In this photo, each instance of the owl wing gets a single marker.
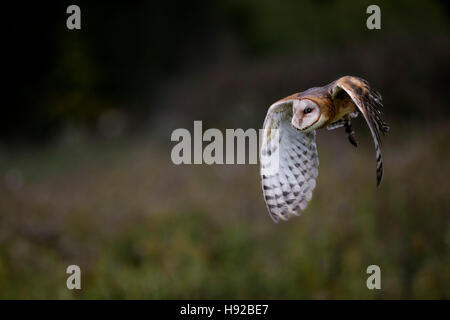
(289, 163)
(369, 103)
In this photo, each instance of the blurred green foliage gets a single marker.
(141, 227)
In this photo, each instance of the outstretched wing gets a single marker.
(369, 103)
(289, 163)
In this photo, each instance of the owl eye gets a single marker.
(307, 110)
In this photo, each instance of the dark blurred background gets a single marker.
(85, 170)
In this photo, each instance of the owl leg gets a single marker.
(350, 132)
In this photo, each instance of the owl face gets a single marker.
(306, 115)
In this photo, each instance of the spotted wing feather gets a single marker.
(289, 164)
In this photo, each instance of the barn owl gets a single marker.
(288, 153)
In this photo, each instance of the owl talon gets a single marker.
(352, 139)
(350, 132)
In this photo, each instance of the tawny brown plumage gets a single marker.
(289, 159)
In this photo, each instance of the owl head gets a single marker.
(307, 115)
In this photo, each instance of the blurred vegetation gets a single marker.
(86, 176)
(153, 59)
(141, 227)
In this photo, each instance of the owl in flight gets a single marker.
(288, 154)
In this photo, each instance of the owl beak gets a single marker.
(297, 121)
(297, 115)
